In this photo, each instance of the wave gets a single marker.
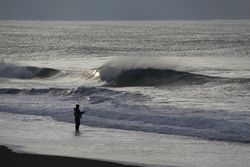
(81, 91)
(94, 95)
(25, 72)
(55, 91)
(158, 77)
(154, 77)
(147, 72)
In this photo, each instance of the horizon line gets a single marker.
(76, 20)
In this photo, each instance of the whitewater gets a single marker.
(159, 82)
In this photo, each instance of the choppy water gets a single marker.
(184, 78)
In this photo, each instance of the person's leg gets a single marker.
(77, 120)
(77, 126)
(75, 123)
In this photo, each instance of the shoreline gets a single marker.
(52, 143)
(13, 159)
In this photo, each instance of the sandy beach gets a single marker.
(12, 159)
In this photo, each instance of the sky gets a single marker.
(124, 9)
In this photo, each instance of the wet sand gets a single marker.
(12, 159)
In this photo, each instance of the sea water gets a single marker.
(184, 78)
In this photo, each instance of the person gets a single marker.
(78, 116)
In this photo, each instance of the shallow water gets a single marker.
(42, 135)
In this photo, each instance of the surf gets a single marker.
(146, 72)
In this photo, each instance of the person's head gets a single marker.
(77, 106)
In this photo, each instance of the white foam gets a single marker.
(108, 109)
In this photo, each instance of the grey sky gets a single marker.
(123, 9)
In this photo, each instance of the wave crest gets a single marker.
(147, 72)
(137, 71)
(157, 77)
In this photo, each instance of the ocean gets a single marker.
(178, 78)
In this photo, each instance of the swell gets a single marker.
(158, 77)
(154, 77)
(25, 72)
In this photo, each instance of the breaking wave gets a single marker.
(157, 77)
(125, 73)
(25, 72)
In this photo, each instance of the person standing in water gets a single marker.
(78, 116)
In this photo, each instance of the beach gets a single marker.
(12, 159)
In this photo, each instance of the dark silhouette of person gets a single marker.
(78, 116)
